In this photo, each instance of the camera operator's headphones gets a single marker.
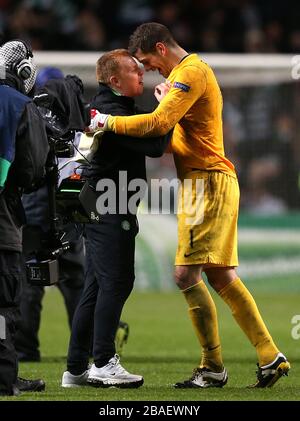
(23, 67)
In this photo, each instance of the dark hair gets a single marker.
(147, 35)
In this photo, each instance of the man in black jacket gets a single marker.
(23, 153)
(110, 243)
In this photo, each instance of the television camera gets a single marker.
(65, 112)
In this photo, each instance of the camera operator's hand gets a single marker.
(98, 121)
(77, 81)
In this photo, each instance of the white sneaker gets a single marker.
(70, 380)
(113, 374)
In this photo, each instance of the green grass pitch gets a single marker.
(162, 347)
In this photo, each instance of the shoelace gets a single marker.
(23, 380)
(259, 373)
(114, 361)
(196, 372)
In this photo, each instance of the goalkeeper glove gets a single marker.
(98, 121)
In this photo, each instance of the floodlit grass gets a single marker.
(162, 347)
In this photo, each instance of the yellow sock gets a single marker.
(245, 312)
(203, 313)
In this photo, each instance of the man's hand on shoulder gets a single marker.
(98, 121)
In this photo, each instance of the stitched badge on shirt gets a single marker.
(125, 225)
(181, 86)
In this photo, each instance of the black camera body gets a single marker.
(76, 201)
(64, 111)
(68, 204)
(42, 250)
(43, 267)
(42, 273)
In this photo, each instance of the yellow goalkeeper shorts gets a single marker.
(208, 203)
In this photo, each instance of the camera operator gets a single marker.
(71, 263)
(23, 153)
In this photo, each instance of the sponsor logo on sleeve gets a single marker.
(181, 86)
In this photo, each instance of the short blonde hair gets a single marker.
(109, 64)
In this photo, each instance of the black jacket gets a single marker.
(121, 153)
(31, 149)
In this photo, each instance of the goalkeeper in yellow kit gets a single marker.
(193, 107)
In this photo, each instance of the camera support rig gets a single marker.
(44, 268)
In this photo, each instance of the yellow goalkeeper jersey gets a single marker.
(193, 106)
